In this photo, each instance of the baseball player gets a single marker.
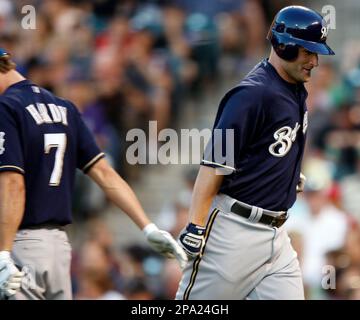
(235, 237)
(43, 139)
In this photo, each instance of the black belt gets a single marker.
(49, 226)
(265, 218)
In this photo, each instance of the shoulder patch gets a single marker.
(2, 141)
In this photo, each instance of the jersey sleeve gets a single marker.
(88, 151)
(234, 128)
(11, 153)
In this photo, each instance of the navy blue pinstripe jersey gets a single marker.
(268, 117)
(44, 138)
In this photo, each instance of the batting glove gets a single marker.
(162, 242)
(301, 184)
(10, 276)
(192, 239)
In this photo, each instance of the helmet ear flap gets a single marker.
(288, 52)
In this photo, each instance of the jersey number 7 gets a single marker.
(56, 140)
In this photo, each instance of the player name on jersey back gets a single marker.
(48, 113)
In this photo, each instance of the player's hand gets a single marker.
(192, 239)
(10, 276)
(301, 184)
(162, 242)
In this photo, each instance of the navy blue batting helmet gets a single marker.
(3, 52)
(297, 26)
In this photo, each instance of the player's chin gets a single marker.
(305, 75)
(302, 79)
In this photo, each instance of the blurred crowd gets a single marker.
(325, 220)
(126, 62)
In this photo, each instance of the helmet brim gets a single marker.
(315, 47)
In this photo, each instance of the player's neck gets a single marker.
(8, 79)
(276, 63)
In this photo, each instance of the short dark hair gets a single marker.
(6, 64)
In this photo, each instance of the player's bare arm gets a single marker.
(120, 193)
(12, 203)
(206, 187)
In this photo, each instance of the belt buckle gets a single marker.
(277, 222)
